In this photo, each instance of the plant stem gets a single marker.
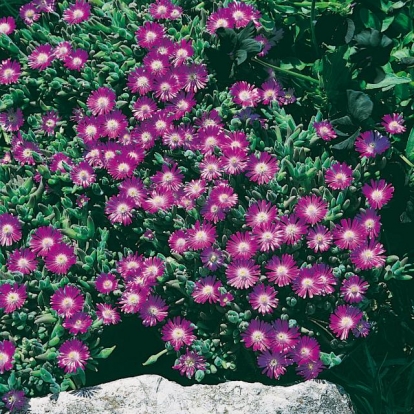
(312, 27)
(287, 72)
(322, 4)
(406, 160)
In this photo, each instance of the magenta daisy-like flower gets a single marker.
(22, 260)
(310, 370)
(12, 297)
(134, 189)
(323, 273)
(130, 265)
(324, 130)
(106, 283)
(206, 290)
(10, 229)
(169, 178)
(178, 332)
(293, 228)
(262, 170)
(43, 239)
(12, 120)
(319, 238)
(45, 6)
(263, 299)
(41, 57)
(24, 153)
(370, 222)
(307, 349)
(107, 314)
(225, 299)
(7, 25)
(62, 50)
(178, 242)
(393, 124)
(242, 274)
(162, 123)
(29, 14)
(361, 329)
(242, 245)
(195, 188)
(89, 129)
(73, 355)
(121, 167)
(77, 13)
(283, 337)
(153, 267)
(66, 301)
(49, 122)
(144, 108)
(312, 209)
(257, 335)
(349, 234)
(83, 174)
(158, 200)
(193, 77)
(243, 13)
(235, 140)
(260, 213)
(76, 60)
(209, 138)
(182, 104)
(353, 289)
(212, 258)
(10, 71)
(378, 193)
(79, 323)
(265, 43)
(60, 258)
(273, 363)
(270, 91)
(201, 235)
(224, 196)
(368, 255)
(210, 168)
(157, 65)
(209, 119)
(344, 319)
(213, 212)
(7, 350)
(161, 9)
(282, 270)
(132, 299)
(166, 87)
(140, 81)
(114, 124)
(14, 400)
(307, 284)
(119, 210)
(339, 176)
(234, 161)
(154, 310)
(189, 363)
(245, 94)
(101, 101)
(149, 33)
(269, 237)
(221, 18)
(371, 143)
(183, 50)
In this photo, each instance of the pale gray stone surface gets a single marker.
(152, 394)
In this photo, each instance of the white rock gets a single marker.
(152, 394)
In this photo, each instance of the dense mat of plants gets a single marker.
(217, 171)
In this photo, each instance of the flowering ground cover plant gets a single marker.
(140, 178)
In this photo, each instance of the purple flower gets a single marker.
(77, 13)
(319, 238)
(339, 176)
(263, 299)
(106, 283)
(221, 18)
(371, 143)
(179, 332)
(107, 314)
(270, 91)
(76, 60)
(378, 193)
(368, 255)
(189, 363)
(10, 229)
(22, 260)
(293, 228)
(268, 236)
(41, 57)
(312, 209)
(242, 245)
(262, 170)
(67, 301)
(73, 355)
(310, 370)
(12, 297)
(273, 363)
(370, 222)
(154, 310)
(257, 335)
(158, 200)
(393, 124)
(134, 189)
(132, 299)
(242, 274)
(183, 50)
(7, 350)
(206, 290)
(212, 258)
(305, 350)
(43, 239)
(349, 234)
(243, 13)
(79, 322)
(29, 14)
(83, 174)
(10, 71)
(149, 33)
(283, 338)
(260, 213)
(344, 319)
(140, 81)
(14, 400)
(282, 270)
(307, 284)
(245, 94)
(193, 78)
(121, 167)
(49, 122)
(362, 328)
(7, 25)
(353, 289)
(119, 210)
(12, 120)
(201, 235)
(62, 50)
(101, 101)
(324, 130)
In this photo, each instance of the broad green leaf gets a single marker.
(390, 81)
(409, 149)
(360, 105)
